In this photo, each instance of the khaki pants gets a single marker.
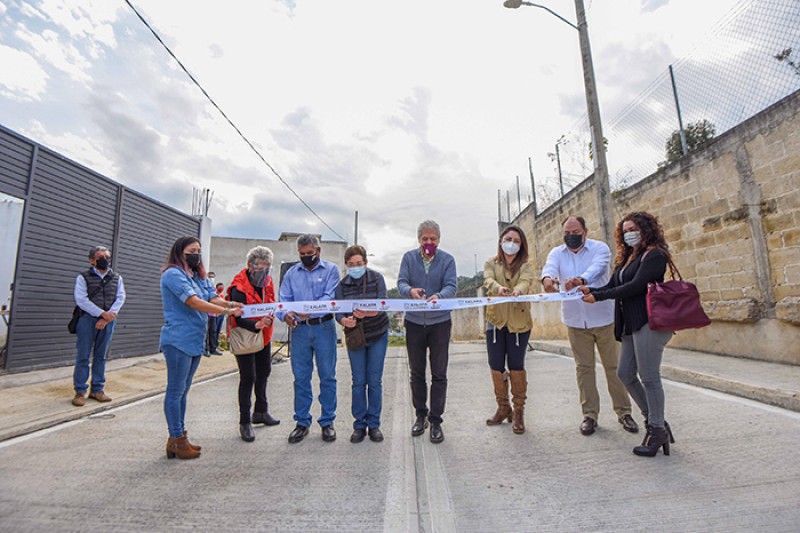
(583, 342)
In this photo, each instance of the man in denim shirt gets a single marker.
(313, 337)
(428, 273)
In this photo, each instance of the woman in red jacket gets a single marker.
(253, 285)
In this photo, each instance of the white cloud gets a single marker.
(402, 111)
(23, 77)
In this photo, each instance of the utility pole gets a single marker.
(605, 205)
(355, 238)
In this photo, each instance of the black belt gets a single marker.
(315, 321)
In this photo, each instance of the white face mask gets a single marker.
(632, 238)
(510, 247)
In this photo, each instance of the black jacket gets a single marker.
(371, 286)
(630, 311)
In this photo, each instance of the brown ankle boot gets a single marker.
(500, 381)
(519, 389)
(192, 446)
(180, 447)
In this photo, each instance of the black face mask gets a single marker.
(309, 260)
(101, 263)
(573, 242)
(193, 260)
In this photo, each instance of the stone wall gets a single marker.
(731, 214)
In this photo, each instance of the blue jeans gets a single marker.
(214, 328)
(90, 338)
(310, 342)
(366, 364)
(180, 371)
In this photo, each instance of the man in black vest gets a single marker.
(100, 294)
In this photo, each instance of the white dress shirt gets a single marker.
(591, 263)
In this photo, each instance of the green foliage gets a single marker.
(591, 152)
(466, 283)
(397, 340)
(786, 57)
(696, 134)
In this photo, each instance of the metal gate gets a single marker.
(68, 209)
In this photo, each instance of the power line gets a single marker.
(242, 135)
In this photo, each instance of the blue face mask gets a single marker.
(356, 272)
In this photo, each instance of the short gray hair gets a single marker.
(306, 239)
(94, 249)
(428, 224)
(259, 254)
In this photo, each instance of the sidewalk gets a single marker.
(42, 398)
(771, 383)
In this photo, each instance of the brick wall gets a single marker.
(731, 214)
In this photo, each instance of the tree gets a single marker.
(696, 134)
(591, 151)
(786, 57)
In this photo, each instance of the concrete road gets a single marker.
(733, 467)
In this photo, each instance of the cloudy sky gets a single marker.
(402, 111)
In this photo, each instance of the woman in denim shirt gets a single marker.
(187, 298)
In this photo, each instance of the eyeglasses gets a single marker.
(354, 265)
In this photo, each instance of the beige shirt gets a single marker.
(515, 316)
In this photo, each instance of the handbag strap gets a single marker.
(673, 268)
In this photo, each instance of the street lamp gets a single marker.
(602, 189)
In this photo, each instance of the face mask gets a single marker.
(193, 260)
(258, 277)
(632, 238)
(356, 272)
(309, 260)
(220, 289)
(510, 248)
(101, 264)
(573, 242)
(429, 248)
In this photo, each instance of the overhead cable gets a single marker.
(242, 135)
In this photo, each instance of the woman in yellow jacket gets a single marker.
(508, 326)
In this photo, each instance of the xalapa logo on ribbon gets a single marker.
(412, 306)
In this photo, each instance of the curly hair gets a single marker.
(652, 235)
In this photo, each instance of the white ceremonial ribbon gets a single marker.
(407, 306)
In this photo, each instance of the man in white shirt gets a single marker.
(583, 261)
(100, 294)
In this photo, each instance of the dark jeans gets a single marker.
(504, 346)
(254, 369)
(214, 327)
(419, 340)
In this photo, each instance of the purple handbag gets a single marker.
(674, 304)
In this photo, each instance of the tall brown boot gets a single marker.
(180, 447)
(500, 380)
(519, 389)
(192, 446)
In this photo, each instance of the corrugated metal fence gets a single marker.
(68, 209)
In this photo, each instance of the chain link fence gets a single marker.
(747, 62)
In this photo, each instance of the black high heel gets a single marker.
(666, 426)
(656, 438)
(669, 432)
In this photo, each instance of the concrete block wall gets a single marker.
(731, 214)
